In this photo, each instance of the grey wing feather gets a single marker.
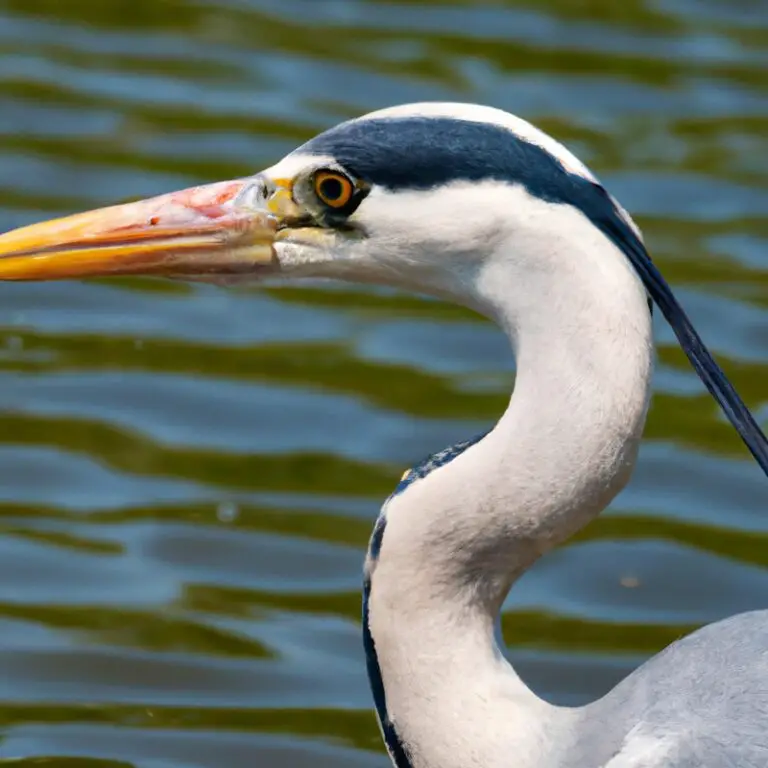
(692, 749)
(700, 703)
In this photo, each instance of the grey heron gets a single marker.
(479, 207)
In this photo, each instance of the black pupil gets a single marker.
(332, 189)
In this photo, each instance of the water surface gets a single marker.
(188, 475)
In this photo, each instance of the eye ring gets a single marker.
(333, 188)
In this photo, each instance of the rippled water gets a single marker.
(182, 517)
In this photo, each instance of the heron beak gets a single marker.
(209, 230)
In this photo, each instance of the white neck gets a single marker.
(456, 540)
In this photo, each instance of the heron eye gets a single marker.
(333, 188)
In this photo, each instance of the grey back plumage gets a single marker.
(702, 702)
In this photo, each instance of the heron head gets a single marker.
(416, 196)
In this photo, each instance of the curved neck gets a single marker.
(448, 548)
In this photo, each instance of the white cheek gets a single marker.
(462, 219)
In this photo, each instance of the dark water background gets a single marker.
(188, 475)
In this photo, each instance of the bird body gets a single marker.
(479, 207)
(702, 701)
